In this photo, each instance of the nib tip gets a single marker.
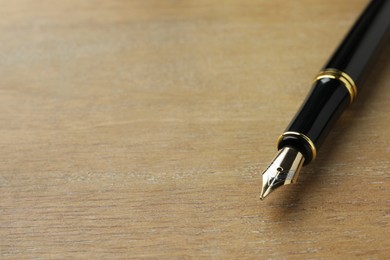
(283, 170)
(265, 192)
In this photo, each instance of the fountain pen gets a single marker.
(335, 87)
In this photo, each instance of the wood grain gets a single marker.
(134, 129)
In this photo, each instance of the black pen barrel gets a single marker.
(359, 48)
(337, 85)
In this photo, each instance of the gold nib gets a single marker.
(283, 170)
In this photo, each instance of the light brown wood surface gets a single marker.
(137, 129)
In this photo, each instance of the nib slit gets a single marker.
(283, 170)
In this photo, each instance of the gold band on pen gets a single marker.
(343, 77)
(304, 137)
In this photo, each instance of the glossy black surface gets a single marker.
(356, 53)
(329, 97)
(323, 106)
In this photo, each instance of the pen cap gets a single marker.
(363, 42)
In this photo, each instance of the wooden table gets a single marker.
(137, 129)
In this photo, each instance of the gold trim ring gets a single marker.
(343, 77)
(304, 137)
